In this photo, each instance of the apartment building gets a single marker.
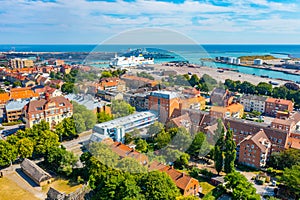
(14, 110)
(253, 150)
(235, 110)
(274, 105)
(52, 110)
(21, 63)
(164, 103)
(117, 128)
(253, 102)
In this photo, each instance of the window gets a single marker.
(252, 146)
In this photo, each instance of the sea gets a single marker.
(192, 53)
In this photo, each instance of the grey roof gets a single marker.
(16, 105)
(254, 97)
(55, 194)
(34, 171)
(219, 91)
(164, 94)
(126, 120)
(87, 100)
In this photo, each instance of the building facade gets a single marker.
(117, 128)
(52, 110)
(253, 103)
(274, 105)
(21, 63)
(164, 103)
(253, 151)
(14, 110)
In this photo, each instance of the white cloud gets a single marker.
(106, 18)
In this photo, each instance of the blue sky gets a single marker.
(205, 21)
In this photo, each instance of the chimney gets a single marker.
(47, 96)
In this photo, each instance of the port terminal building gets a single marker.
(117, 128)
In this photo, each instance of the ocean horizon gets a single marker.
(190, 52)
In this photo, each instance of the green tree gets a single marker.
(45, 141)
(60, 160)
(230, 152)
(119, 186)
(141, 146)
(182, 140)
(194, 80)
(17, 84)
(240, 188)
(182, 161)
(68, 87)
(199, 146)
(218, 158)
(264, 88)
(121, 108)
(219, 147)
(106, 74)
(104, 117)
(80, 123)
(158, 185)
(162, 139)
(131, 165)
(67, 127)
(155, 128)
(25, 147)
(247, 88)
(291, 179)
(280, 92)
(283, 159)
(8, 153)
(104, 154)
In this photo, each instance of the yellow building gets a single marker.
(234, 110)
(21, 63)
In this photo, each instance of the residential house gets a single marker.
(35, 173)
(135, 82)
(181, 121)
(14, 110)
(254, 150)
(110, 95)
(290, 124)
(243, 128)
(221, 97)
(234, 110)
(274, 105)
(253, 102)
(52, 110)
(112, 83)
(65, 69)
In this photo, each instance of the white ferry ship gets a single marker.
(122, 61)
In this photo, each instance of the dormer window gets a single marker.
(61, 104)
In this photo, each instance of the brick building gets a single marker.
(274, 105)
(52, 110)
(254, 150)
(164, 102)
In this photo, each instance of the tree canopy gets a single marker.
(240, 188)
(120, 108)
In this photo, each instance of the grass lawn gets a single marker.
(9, 190)
(206, 187)
(63, 186)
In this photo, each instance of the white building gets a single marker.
(253, 102)
(258, 62)
(117, 128)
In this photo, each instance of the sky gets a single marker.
(203, 21)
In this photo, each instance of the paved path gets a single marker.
(260, 189)
(76, 144)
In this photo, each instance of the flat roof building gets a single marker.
(117, 128)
